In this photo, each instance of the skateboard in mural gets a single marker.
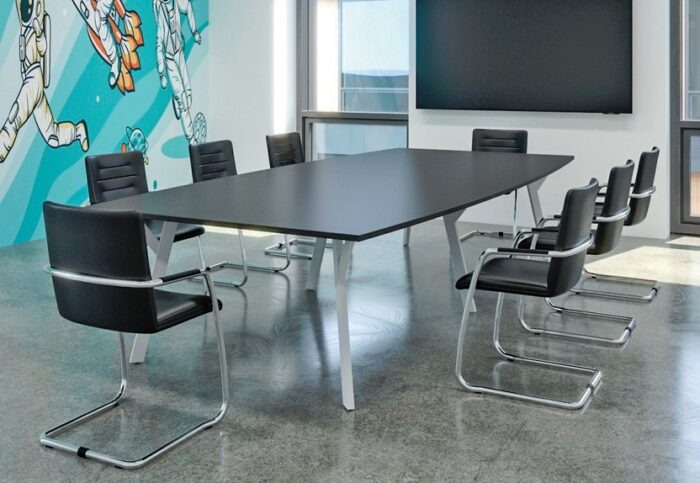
(35, 68)
(115, 33)
(172, 69)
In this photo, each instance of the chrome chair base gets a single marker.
(496, 234)
(654, 288)
(283, 249)
(243, 265)
(492, 234)
(630, 322)
(48, 438)
(584, 397)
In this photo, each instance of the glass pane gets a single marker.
(361, 53)
(342, 139)
(694, 175)
(692, 60)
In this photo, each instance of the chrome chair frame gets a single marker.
(653, 284)
(244, 265)
(630, 322)
(282, 249)
(596, 374)
(47, 439)
(497, 234)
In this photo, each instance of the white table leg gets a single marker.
(535, 204)
(160, 267)
(315, 269)
(458, 264)
(342, 253)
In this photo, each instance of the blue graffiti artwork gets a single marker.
(92, 82)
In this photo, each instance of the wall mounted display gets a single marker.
(524, 55)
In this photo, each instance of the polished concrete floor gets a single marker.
(412, 422)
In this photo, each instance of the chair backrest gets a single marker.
(212, 160)
(499, 140)
(617, 196)
(285, 149)
(574, 229)
(114, 176)
(646, 172)
(107, 244)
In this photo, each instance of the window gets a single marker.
(359, 55)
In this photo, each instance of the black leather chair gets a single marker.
(536, 273)
(214, 160)
(114, 176)
(608, 221)
(284, 150)
(501, 141)
(101, 278)
(642, 191)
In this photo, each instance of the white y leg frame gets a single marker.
(459, 267)
(407, 237)
(316, 261)
(162, 248)
(342, 254)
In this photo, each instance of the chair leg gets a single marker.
(621, 340)
(590, 388)
(245, 266)
(47, 439)
(653, 284)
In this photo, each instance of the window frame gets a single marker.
(306, 85)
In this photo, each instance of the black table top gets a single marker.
(348, 198)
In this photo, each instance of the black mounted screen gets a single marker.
(524, 55)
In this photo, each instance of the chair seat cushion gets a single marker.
(184, 231)
(174, 308)
(511, 275)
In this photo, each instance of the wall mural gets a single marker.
(95, 76)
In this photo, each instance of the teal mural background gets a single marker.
(79, 90)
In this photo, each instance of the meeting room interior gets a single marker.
(350, 240)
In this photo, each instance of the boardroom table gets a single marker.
(347, 199)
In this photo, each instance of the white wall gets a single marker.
(252, 77)
(598, 141)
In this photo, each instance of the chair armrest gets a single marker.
(115, 282)
(112, 282)
(609, 219)
(645, 194)
(548, 219)
(522, 251)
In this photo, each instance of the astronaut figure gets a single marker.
(170, 50)
(35, 62)
(115, 32)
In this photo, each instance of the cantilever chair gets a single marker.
(114, 176)
(640, 199)
(608, 221)
(537, 273)
(284, 150)
(101, 278)
(501, 141)
(214, 160)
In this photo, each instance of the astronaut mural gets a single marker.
(115, 33)
(35, 68)
(82, 75)
(170, 51)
